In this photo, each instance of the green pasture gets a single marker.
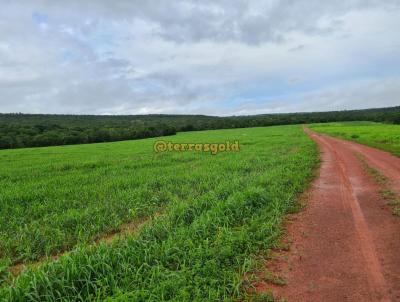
(217, 216)
(382, 136)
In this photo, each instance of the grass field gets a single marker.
(217, 214)
(382, 136)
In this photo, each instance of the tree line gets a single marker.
(36, 130)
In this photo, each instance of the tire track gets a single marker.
(346, 242)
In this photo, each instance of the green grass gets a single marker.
(382, 136)
(219, 213)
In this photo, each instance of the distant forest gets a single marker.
(36, 130)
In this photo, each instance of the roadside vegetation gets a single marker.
(218, 214)
(385, 191)
(381, 136)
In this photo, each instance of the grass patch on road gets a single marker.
(386, 193)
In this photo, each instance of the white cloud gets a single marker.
(214, 57)
(357, 94)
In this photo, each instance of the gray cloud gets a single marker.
(224, 20)
(215, 57)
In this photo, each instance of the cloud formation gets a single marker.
(210, 57)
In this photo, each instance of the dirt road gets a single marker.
(346, 243)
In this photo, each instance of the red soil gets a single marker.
(346, 243)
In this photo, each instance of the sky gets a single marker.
(220, 57)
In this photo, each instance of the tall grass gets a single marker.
(219, 212)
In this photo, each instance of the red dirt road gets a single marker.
(346, 243)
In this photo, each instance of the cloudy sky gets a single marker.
(220, 57)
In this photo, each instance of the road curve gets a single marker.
(346, 244)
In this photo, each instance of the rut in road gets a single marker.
(346, 243)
